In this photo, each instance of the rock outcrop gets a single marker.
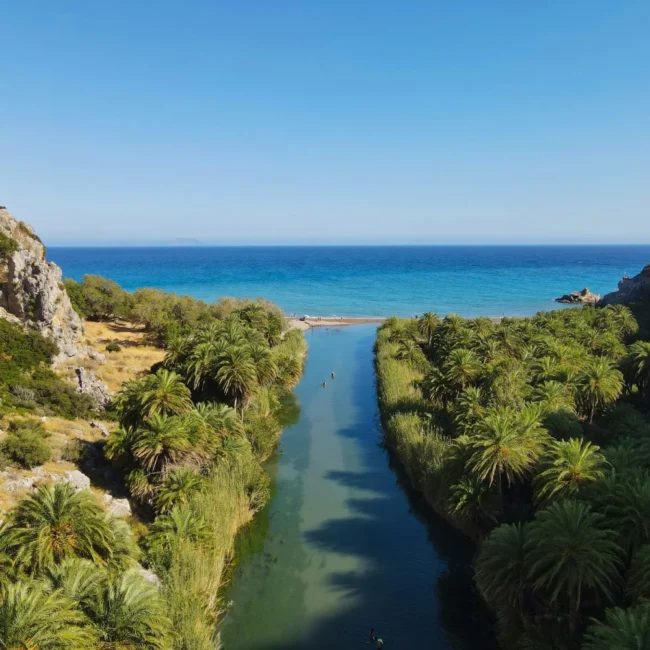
(31, 290)
(636, 289)
(584, 297)
(89, 384)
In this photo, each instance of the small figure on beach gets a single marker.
(333, 375)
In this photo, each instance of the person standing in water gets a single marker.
(380, 643)
(333, 375)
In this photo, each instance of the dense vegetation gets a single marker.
(68, 578)
(192, 436)
(27, 382)
(164, 315)
(532, 436)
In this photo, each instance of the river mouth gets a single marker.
(343, 546)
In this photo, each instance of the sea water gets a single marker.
(368, 280)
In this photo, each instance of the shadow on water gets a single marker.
(413, 585)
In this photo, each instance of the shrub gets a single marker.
(77, 298)
(113, 347)
(8, 246)
(25, 443)
(74, 451)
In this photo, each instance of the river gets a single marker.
(343, 545)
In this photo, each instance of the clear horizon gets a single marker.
(354, 245)
(339, 123)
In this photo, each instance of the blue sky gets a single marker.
(333, 122)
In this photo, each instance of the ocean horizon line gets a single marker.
(351, 245)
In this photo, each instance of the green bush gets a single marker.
(27, 379)
(74, 451)
(8, 246)
(77, 298)
(25, 444)
(113, 347)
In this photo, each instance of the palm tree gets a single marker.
(78, 580)
(411, 352)
(570, 465)
(638, 577)
(265, 367)
(622, 629)
(236, 374)
(554, 396)
(546, 368)
(160, 442)
(499, 572)
(179, 523)
(129, 613)
(569, 551)
(35, 618)
(506, 446)
(628, 508)
(56, 523)
(636, 367)
(473, 499)
(600, 383)
(165, 394)
(177, 349)
(623, 318)
(434, 386)
(461, 368)
(177, 488)
(427, 325)
(275, 325)
(470, 407)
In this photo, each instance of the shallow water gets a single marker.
(342, 546)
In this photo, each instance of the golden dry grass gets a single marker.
(133, 360)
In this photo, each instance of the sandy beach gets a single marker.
(328, 321)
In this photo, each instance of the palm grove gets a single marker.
(532, 437)
(192, 435)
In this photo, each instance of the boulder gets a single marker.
(77, 479)
(32, 292)
(120, 508)
(148, 575)
(636, 289)
(89, 384)
(584, 297)
(102, 428)
(19, 484)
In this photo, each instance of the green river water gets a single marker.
(343, 545)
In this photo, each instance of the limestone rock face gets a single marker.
(584, 297)
(634, 289)
(32, 293)
(89, 384)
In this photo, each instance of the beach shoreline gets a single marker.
(306, 323)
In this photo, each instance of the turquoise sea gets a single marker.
(368, 280)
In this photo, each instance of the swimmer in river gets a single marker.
(380, 643)
(373, 636)
(324, 384)
(333, 375)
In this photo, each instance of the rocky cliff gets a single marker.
(634, 289)
(31, 290)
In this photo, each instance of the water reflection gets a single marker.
(345, 545)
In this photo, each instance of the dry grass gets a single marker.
(133, 360)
